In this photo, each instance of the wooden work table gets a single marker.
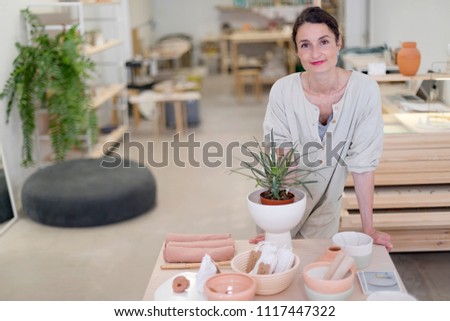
(251, 37)
(308, 251)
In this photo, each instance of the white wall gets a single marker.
(197, 18)
(426, 22)
(142, 18)
(356, 24)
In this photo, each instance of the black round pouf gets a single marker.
(88, 192)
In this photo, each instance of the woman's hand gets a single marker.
(258, 238)
(381, 238)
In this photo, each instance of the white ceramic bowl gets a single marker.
(268, 284)
(356, 244)
(316, 296)
(279, 218)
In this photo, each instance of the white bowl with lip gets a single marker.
(277, 220)
(356, 244)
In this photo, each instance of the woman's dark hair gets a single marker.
(315, 15)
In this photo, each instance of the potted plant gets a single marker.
(277, 172)
(51, 73)
(279, 205)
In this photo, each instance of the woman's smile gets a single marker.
(317, 63)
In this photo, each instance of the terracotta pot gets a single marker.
(267, 201)
(330, 254)
(408, 59)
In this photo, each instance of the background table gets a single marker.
(308, 251)
(178, 99)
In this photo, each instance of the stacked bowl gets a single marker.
(319, 289)
(356, 244)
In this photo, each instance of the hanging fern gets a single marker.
(51, 73)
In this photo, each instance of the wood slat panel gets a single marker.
(409, 160)
(402, 221)
(418, 154)
(402, 197)
(415, 141)
(390, 179)
(421, 240)
(410, 233)
(413, 166)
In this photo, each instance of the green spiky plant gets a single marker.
(276, 173)
(51, 74)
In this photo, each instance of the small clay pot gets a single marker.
(330, 254)
(269, 201)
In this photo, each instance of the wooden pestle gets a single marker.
(343, 268)
(334, 265)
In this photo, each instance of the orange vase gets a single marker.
(330, 254)
(408, 59)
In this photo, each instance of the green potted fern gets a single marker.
(50, 74)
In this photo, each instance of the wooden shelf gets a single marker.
(410, 231)
(104, 93)
(401, 78)
(390, 220)
(94, 14)
(90, 51)
(427, 196)
(99, 3)
(412, 184)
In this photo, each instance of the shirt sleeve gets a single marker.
(367, 142)
(275, 118)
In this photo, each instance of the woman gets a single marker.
(335, 116)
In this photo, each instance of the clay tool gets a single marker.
(334, 265)
(343, 268)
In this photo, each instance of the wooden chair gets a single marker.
(248, 76)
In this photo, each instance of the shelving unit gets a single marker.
(109, 51)
(412, 181)
(264, 17)
(411, 200)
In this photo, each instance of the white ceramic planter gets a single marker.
(277, 220)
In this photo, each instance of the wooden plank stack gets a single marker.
(412, 193)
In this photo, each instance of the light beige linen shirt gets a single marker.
(353, 142)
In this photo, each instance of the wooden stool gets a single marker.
(248, 76)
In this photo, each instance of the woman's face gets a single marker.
(317, 47)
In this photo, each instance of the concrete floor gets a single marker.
(114, 262)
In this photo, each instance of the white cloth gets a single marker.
(356, 132)
(206, 270)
